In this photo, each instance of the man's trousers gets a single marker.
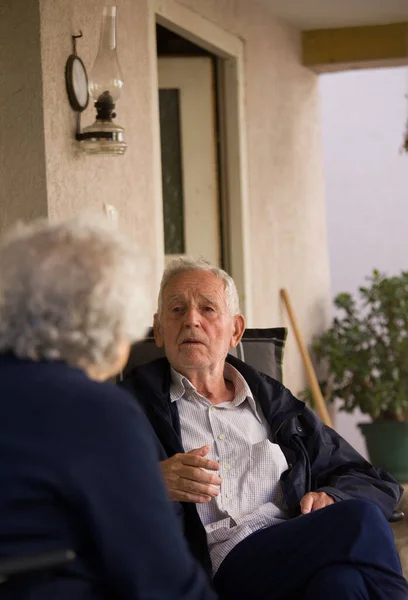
(343, 551)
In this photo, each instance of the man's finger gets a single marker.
(306, 504)
(197, 474)
(187, 477)
(199, 462)
(180, 496)
(195, 458)
(319, 502)
(200, 451)
(191, 467)
(194, 487)
(315, 501)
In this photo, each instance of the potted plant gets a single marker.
(365, 352)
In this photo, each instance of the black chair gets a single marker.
(397, 515)
(262, 349)
(22, 565)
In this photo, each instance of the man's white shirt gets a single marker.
(251, 465)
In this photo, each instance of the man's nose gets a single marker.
(192, 317)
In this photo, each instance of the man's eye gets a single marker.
(176, 309)
(208, 309)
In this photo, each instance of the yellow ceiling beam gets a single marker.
(355, 47)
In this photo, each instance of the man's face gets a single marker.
(195, 326)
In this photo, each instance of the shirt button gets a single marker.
(227, 466)
(221, 436)
(229, 496)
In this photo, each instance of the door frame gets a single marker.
(229, 50)
(193, 77)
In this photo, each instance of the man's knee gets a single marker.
(337, 582)
(359, 512)
(362, 531)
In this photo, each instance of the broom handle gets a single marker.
(310, 372)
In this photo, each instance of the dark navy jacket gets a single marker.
(79, 469)
(319, 459)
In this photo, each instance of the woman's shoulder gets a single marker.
(90, 414)
(58, 391)
(100, 396)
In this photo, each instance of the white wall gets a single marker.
(366, 178)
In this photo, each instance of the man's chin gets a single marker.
(192, 360)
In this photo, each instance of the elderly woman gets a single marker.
(78, 467)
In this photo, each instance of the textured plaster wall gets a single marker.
(76, 181)
(287, 210)
(23, 192)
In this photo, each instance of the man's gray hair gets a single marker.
(185, 264)
(70, 291)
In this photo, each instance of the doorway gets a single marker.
(178, 32)
(189, 149)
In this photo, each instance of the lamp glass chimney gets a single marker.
(106, 76)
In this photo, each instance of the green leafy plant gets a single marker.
(365, 350)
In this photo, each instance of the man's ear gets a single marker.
(238, 331)
(158, 337)
(123, 351)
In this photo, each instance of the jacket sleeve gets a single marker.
(342, 472)
(121, 498)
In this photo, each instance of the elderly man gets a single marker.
(280, 505)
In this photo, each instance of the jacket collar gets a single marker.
(151, 386)
(277, 403)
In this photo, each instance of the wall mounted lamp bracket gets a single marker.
(104, 84)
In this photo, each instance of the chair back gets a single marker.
(259, 348)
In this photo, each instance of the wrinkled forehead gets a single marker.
(198, 285)
(185, 297)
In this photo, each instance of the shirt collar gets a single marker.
(181, 386)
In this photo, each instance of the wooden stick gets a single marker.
(310, 372)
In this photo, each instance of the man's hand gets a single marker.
(185, 479)
(314, 501)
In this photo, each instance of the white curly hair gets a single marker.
(70, 291)
(184, 264)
